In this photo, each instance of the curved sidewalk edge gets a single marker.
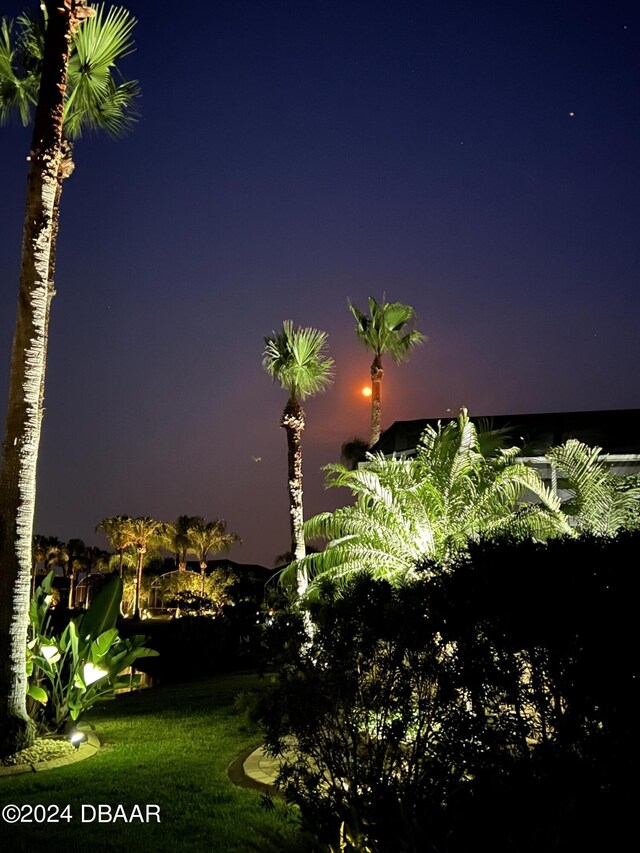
(253, 768)
(87, 749)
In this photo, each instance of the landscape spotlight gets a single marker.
(77, 737)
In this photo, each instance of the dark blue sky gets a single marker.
(290, 156)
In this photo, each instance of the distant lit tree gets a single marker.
(197, 594)
(296, 358)
(210, 538)
(75, 563)
(117, 529)
(49, 551)
(386, 329)
(144, 532)
(176, 537)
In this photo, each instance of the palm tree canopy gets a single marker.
(96, 99)
(144, 531)
(176, 535)
(47, 549)
(297, 359)
(387, 328)
(117, 530)
(212, 536)
(76, 550)
(599, 502)
(429, 507)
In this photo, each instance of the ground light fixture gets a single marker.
(77, 737)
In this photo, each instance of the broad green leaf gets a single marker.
(102, 644)
(38, 693)
(103, 611)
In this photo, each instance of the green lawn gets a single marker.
(169, 746)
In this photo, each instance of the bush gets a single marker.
(213, 590)
(489, 706)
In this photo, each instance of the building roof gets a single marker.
(616, 431)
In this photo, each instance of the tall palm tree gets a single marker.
(210, 538)
(118, 531)
(144, 532)
(386, 329)
(409, 510)
(28, 358)
(296, 358)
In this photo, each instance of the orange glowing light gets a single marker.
(366, 391)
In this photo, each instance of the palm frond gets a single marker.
(429, 507)
(600, 502)
(385, 329)
(95, 100)
(19, 82)
(297, 359)
(116, 112)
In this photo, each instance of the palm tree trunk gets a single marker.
(33, 578)
(72, 590)
(64, 170)
(293, 424)
(136, 599)
(121, 561)
(376, 394)
(26, 381)
(203, 568)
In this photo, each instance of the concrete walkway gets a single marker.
(261, 768)
(253, 768)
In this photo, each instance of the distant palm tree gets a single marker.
(407, 511)
(117, 529)
(176, 537)
(211, 538)
(97, 559)
(296, 358)
(144, 532)
(39, 552)
(385, 330)
(49, 551)
(76, 562)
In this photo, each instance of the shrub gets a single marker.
(488, 706)
(213, 590)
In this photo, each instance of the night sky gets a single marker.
(478, 160)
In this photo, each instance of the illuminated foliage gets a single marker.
(428, 507)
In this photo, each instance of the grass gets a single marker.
(169, 746)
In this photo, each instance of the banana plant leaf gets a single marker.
(103, 611)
